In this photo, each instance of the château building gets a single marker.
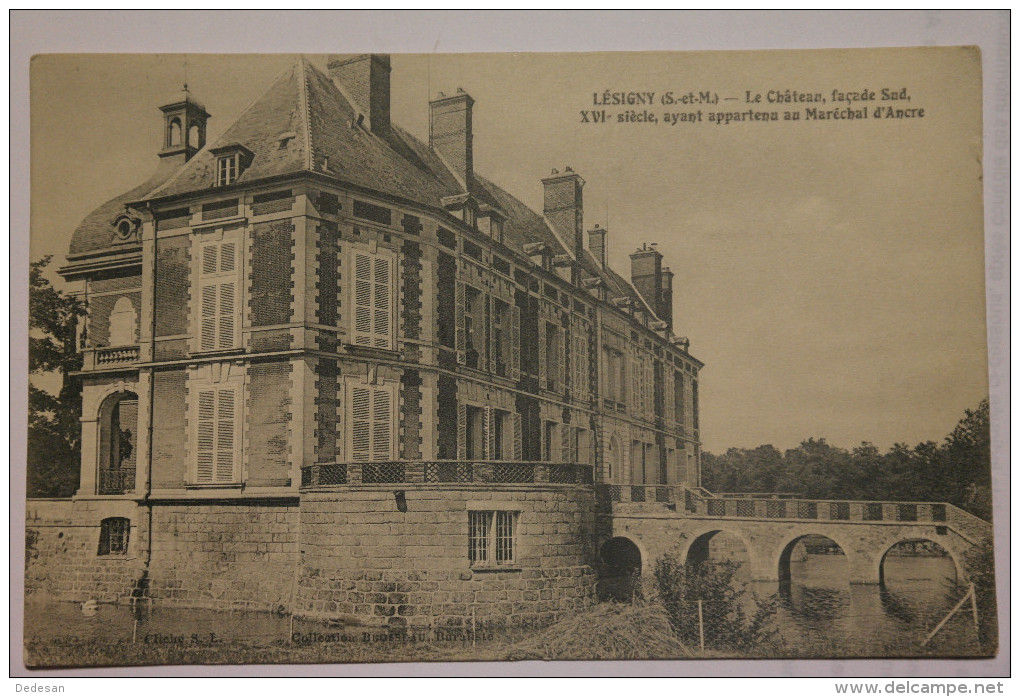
(332, 370)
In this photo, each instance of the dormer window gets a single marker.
(231, 161)
(464, 207)
(226, 170)
(490, 222)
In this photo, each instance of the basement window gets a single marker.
(113, 536)
(492, 538)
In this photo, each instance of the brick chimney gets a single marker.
(450, 133)
(597, 244)
(646, 275)
(666, 298)
(564, 207)
(365, 78)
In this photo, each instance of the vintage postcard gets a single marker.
(361, 358)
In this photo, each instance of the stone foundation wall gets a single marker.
(366, 561)
(224, 554)
(62, 560)
(361, 558)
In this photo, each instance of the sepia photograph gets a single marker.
(359, 358)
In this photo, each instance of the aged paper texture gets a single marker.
(360, 358)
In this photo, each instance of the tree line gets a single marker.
(956, 471)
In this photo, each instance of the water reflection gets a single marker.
(819, 608)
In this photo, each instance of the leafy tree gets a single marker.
(54, 430)
(967, 473)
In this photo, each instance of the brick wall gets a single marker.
(446, 417)
(173, 267)
(268, 420)
(169, 431)
(271, 282)
(365, 561)
(327, 284)
(410, 415)
(410, 308)
(100, 308)
(326, 418)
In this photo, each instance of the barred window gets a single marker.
(113, 536)
(492, 537)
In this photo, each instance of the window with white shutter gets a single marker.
(217, 442)
(218, 297)
(370, 422)
(372, 291)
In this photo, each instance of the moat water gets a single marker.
(818, 613)
(820, 610)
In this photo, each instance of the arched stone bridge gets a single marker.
(660, 519)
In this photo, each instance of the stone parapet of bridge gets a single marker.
(681, 520)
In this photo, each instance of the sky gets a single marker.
(830, 274)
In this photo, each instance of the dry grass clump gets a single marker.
(608, 631)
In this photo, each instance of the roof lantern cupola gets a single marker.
(184, 123)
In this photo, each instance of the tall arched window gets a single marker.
(118, 438)
(195, 137)
(123, 323)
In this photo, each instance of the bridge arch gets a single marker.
(697, 551)
(880, 558)
(784, 553)
(621, 562)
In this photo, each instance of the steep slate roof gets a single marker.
(326, 139)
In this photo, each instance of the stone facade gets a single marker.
(349, 555)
